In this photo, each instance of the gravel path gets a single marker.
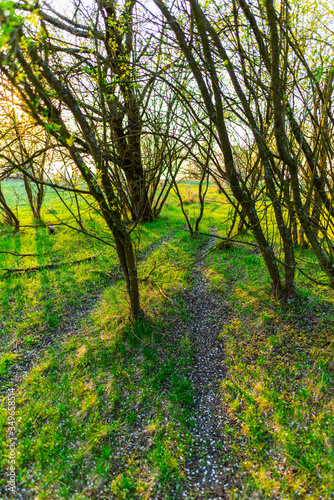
(208, 474)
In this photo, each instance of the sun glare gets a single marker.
(10, 103)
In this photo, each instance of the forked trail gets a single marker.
(208, 473)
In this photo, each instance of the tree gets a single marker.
(30, 63)
(244, 77)
(96, 57)
(87, 80)
(24, 145)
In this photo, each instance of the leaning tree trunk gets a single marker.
(282, 144)
(215, 110)
(9, 214)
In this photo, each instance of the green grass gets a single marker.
(108, 405)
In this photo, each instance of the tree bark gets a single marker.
(9, 214)
(36, 215)
(127, 260)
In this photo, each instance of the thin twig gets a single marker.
(148, 280)
(20, 254)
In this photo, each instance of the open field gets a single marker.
(107, 409)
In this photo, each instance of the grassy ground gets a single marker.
(105, 409)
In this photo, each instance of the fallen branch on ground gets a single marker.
(20, 254)
(47, 266)
(116, 275)
(28, 254)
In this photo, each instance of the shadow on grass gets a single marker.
(106, 415)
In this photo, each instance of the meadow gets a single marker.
(105, 407)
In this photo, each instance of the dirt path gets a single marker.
(208, 473)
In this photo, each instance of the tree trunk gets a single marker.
(201, 196)
(36, 215)
(9, 214)
(301, 234)
(134, 171)
(140, 205)
(241, 222)
(316, 213)
(294, 230)
(39, 201)
(234, 218)
(127, 260)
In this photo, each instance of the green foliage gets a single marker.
(12, 19)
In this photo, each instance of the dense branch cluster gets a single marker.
(128, 99)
